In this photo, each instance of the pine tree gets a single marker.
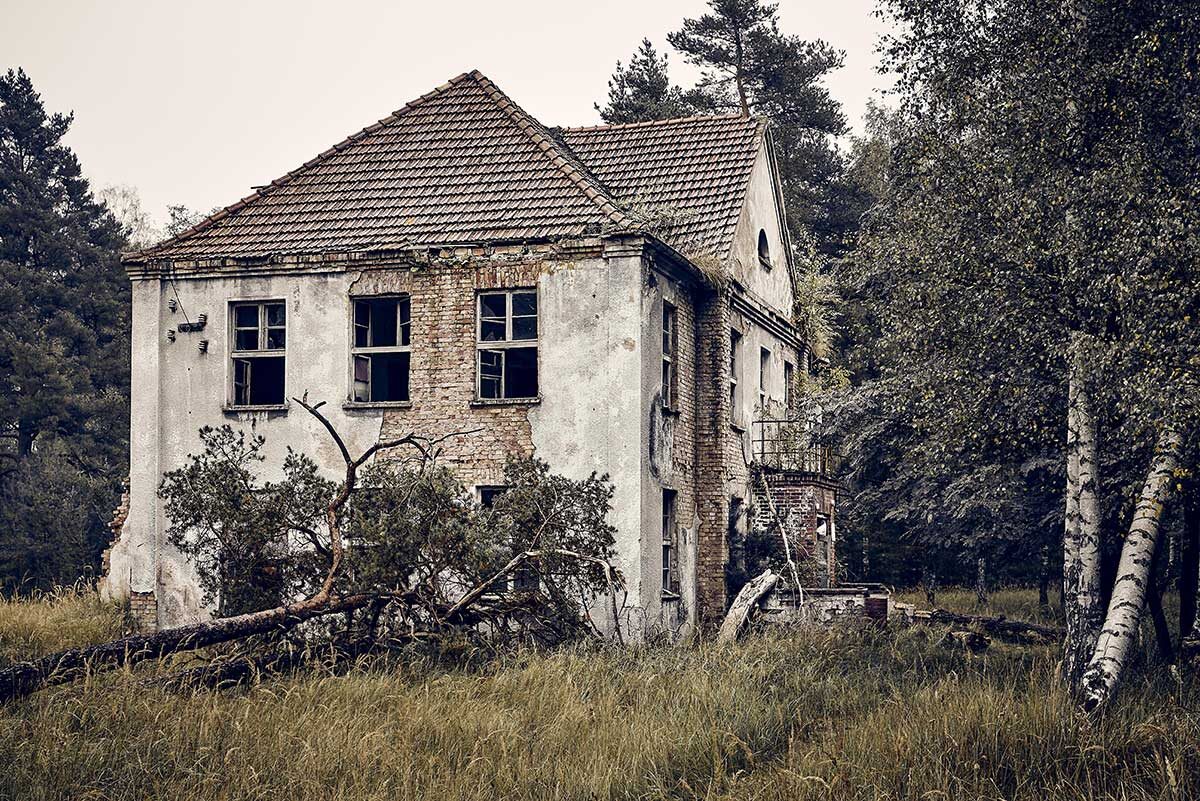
(64, 368)
(752, 67)
(643, 91)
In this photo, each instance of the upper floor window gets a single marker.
(381, 351)
(669, 337)
(789, 389)
(764, 376)
(506, 344)
(735, 345)
(764, 250)
(258, 352)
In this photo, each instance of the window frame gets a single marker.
(236, 354)
(508, 343)
(764, 250)
(735, 367)
(670, 561)
(357, 352)
(789, 391)
(764, 376)
(670, 359)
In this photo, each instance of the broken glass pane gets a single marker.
(275, 314)
(491, 373)
(521, 373)
(266, 384)
(389, 377)
(276, 338)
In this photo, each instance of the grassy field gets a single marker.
(825, 714)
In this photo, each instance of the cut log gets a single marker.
(744, 605)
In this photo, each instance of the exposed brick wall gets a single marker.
(712, 446)
(143, 612)
(442, 377)
(797, 499)
(120, 514)
(675, 466)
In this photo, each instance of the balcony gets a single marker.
(790, 444)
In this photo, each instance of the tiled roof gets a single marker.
(464, 165)
(691, 172)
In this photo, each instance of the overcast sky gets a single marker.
(194, 103)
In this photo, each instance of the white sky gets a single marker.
(195, 102)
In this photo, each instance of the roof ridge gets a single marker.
(564, 159)
(652, 123)
(286, 178)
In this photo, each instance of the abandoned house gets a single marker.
(612, 298)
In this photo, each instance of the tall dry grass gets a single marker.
(822, 714)
(44, 622)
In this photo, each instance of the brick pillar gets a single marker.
(712, 435)
(798, 499)
(143, 612)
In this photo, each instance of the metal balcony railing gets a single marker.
(788, 444)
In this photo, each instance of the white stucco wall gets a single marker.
(589, 419)
(760, 212)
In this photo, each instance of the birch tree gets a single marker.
(1028, 284)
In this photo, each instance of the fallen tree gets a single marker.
(423, 561)
(999, 626)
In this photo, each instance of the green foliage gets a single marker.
(818, 714)
(751, 67)
(64, 355)
(1035, 185)
(410, 528)
(235, 528)
(643, 91)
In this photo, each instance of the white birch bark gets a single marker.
(1081, 539)
(1121, 624)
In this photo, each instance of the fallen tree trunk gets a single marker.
(743, 606)
(999, 626)
(24, 678)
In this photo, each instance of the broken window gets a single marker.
(258, 352)
(764, 368)
(764, 250)
(670, 583)
(506, 336)
(381, 352)
(524, 578)
(735, 342)
(668, 356)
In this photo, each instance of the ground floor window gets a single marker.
(670, 579)
(524, 579)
